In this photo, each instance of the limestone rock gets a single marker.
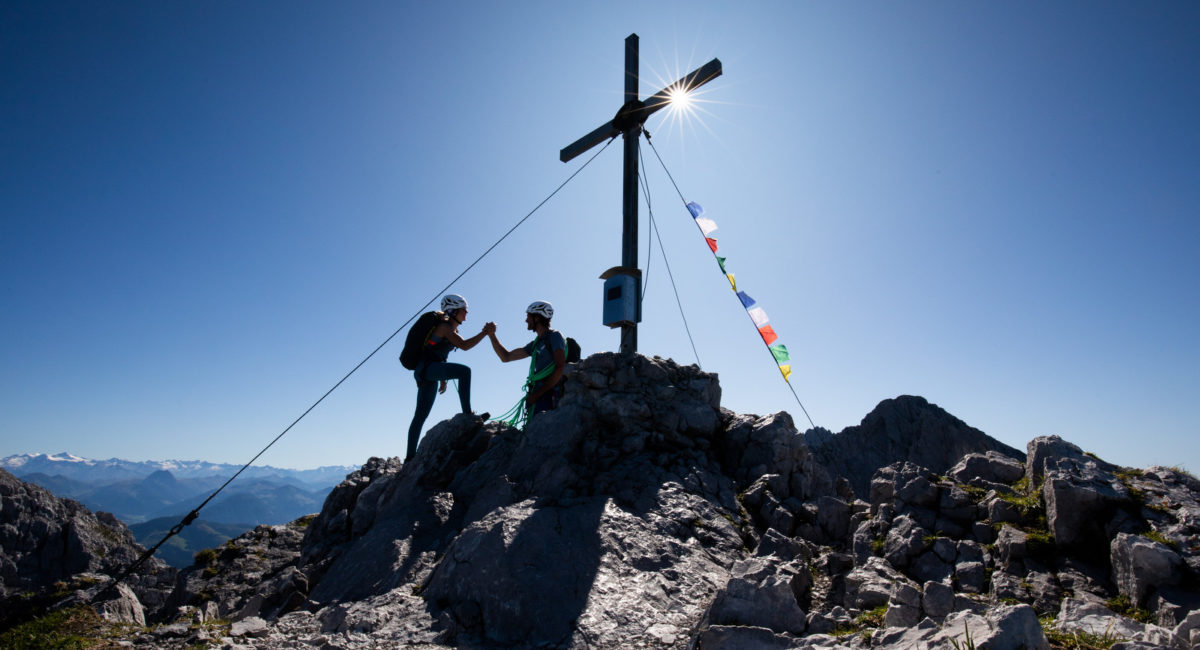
(252, 575)
(903, 429)
(987, 468)
(937, 599)
(1098, 620)
(904, 606)
(764, 592)
(904, 542)
(1141, 565)
(46, 540)
(1082, 495)
(121, 606)
(870, 585)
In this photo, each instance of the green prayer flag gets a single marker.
(780, 352)
(721, 263)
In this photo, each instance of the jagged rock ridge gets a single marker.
(642, 514)
(906, 428)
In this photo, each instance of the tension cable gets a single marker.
(191, 516)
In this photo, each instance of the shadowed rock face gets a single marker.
(46, 541)
(601, 520)
(641, 514)
(902, 429)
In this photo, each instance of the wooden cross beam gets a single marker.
(628, 122)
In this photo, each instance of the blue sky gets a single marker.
(212, 211)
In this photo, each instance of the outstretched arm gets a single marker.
(504, 353)
(466, 344)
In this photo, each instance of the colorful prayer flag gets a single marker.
(781, 353)
(757, 314)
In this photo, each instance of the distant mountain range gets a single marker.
(116, 469)
(152, 496)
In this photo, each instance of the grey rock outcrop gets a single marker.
(1142, 565)
(1082, 498)
(764, 592)
(909, 429)
(49, 545)
(252, 575)
(605, 521)
(1100, 621)
(122, 607)
(1010, 627)
(987, 470)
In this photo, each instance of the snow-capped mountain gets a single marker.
(86, 470)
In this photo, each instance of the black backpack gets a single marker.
(573, 351)
(418, 335)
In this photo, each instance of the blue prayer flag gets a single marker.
(747, 301)
(695, 209)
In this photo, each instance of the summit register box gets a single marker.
(622, 299)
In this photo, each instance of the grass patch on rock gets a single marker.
(1125, 607)
(66, 629)
(1060, 640)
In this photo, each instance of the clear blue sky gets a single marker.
(213, 210)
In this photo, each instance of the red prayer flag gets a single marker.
(712, 243)
(768, 334)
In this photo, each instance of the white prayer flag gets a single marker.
(758, 316)
(706, 225)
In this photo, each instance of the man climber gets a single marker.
(549, 352)
(434, 367)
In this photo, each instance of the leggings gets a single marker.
(427, 378)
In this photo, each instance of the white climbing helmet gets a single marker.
(453, 301)
(541, 308)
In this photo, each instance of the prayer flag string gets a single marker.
(758, 316)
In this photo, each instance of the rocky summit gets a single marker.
(642, 514)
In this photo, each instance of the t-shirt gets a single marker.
(546, 345)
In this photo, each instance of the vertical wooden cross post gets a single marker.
(628, 122)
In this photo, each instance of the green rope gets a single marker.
(514, 417)
(518, 416)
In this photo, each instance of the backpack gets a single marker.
(418, 335)
(573, 351)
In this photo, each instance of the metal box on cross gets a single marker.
(622, 296)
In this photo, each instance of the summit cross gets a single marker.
(628, 122)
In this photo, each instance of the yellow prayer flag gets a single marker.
(787, 372)
(732, 282)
